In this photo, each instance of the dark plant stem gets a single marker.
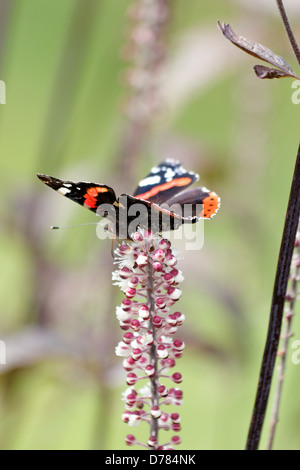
(291, 300)
(153, 351)
(288, 29)
(277, 307)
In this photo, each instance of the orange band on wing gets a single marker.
(163, 187)
(93, 192)
(91, 196)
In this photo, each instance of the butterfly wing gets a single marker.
(165, 181)
(89, 195)
(199, 203)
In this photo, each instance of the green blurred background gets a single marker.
(65, 64)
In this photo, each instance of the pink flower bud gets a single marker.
(176, 427)
(126, 305)
(157, 321)
(178, 344)
(144, 312)
(128, 337)
(125, 273)
(133, 282)
(164, 418)
(136, 354)
(160, 302)
(174, 293)
(152, 441)
(171, 320)
(157, 266)
(162, 352)
(135, 325)
(177, 377)
(124, 325)
(159, 255)
(129, 364)
(143, 361)
(124, 249)
(177, 354)
(163, 391)
(180, 318)
(175, 440)
(125, 416)
(177, 393)
(169, 278)
(170, 362)
(130, 440)
(131, 378)
(138, 237)
(175, 417)
(150, 371)
(131, 399)
(170, 260)
(155, 412)
(164, 244)
(130, 293)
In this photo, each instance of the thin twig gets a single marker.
(291, 298)
(288, 29)
(276, 315)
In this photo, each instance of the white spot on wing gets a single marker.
(151, 180)
(155, 169)
(62, 190)
(169, 174)
(169, 169)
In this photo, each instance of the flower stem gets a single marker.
(277, 307)
(288, 29)
(153, 351)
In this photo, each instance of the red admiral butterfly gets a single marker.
(161, 200)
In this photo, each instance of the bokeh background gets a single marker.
(90, 97)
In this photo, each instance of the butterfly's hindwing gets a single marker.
(199, 203)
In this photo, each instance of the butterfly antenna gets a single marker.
(55, 227)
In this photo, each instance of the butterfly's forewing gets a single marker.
(165, 181)
(90, 195)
